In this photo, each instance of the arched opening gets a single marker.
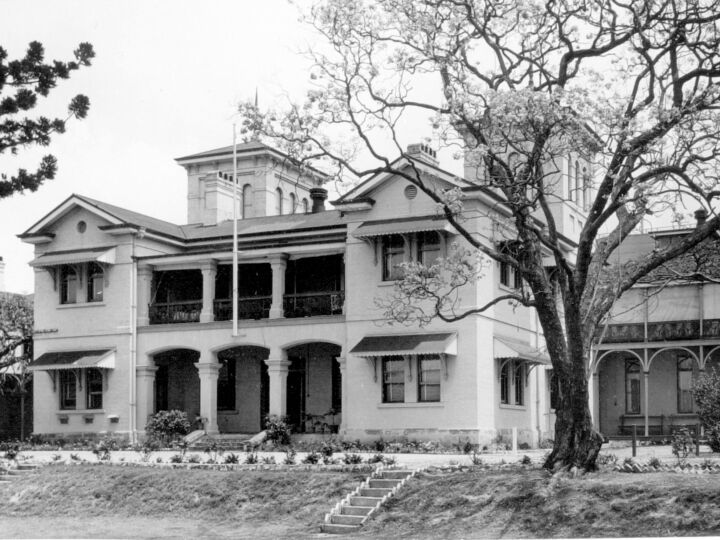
(278, 202)
(620, 389)
(293, 203)
(314, 388)
(242, 389)
(177, 384)
(246, 201)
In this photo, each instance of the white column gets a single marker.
(278, 263)
(595, 399)
(145, 394)
(278, 366)
(208, 372)
(144, 285)
(342, 362)
(646, 376)
(209, 271)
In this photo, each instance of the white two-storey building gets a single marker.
(136, 311)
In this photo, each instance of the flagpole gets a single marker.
(234, 240)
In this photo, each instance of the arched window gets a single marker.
(278, 202)
(68, 285)
(246, 200)
(578, 182)
(632, 386)
(96, 278)
(293, 203)
(684, 384)
(305, 206)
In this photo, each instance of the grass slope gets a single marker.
(296, 499)
(522, 503)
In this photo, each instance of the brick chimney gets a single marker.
(318, 196)
(423, 152)
(701, 216)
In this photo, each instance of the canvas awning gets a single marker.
(369, 229)
(51, 361)
(509, 349)
(103, 255)
(406, 344)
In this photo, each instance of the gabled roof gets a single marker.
(115, 215)
(361, 191)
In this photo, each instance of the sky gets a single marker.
(165, 83)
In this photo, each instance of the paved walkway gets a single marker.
(620, 450)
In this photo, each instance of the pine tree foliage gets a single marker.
(22, 82)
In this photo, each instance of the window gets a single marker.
(293, 203)
(585, 188)
(428, 371)
(684, 384)
(632, 386)
(96, 278)
(68, 284)
(505, 383)
(429, 247)
(278, 202)
(93, 389)
(246, 200)
(68, 387)
(336, 387)
(226, 385)
(519, 382)
(570, 181)
(305, 206)
(393, 254)
(393, 379)
(509, 276)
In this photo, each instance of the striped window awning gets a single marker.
(406, 344)
(369, 229)
(52, 361)
(509, 349)
(103, 255)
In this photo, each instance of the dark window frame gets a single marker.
(67, 386)
(226, 385)
(392, 387)
(95, 278)
(505, 384)
(69, 275)
(93, 389)
(426, 247)
(518, 383)
(633, 370)
(684, 365)
(425, 385)
(392, 246)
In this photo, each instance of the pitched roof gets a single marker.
(702, 263)
(224, 150)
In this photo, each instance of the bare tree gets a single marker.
(632, 86)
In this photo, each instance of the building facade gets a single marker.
(136, 312)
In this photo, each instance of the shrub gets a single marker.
(313, 458)
(682, 443)
(103, 448)
(289, 457)
(168, 425)
(176, 458)
(56, 457)
(74, 457)
(269, 460)
(706, 393)
(607, 459)
(327, 449)
(251, 458)
(389, 460)
(475, 458)
(377, 458)
(278, 430)
(379, 445)
(352, 459)
(654, 462)
(12, 451)
(193, 458)
(158, 459)
(525, 460)
(232, 459)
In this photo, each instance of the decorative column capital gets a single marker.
(342, 362)
(278, 259)
(277, 365)
(146, 371)
(208, 369)
(208, 266)
(145, 270)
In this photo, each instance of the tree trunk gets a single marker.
(577, 443)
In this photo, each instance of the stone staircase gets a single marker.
(355, 509)
(231, 442)
(9, 474)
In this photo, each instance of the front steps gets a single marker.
(19, 470)
(355, 509)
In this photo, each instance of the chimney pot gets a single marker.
(701, 216)
(318, 196)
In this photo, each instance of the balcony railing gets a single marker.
(312, 304)
(249, 307)
(175, 312)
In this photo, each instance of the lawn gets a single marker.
(134, 502)
(97, 501)
(521, 503)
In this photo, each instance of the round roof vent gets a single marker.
(411, 192)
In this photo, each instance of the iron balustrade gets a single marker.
(175, 312)
(313, 304)
(249, 307)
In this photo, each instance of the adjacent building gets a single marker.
(136, 312)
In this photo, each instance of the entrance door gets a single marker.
(161, 388)
(296, 394)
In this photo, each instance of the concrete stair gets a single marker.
(355, 509)
(21, 469)
(232, 442)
